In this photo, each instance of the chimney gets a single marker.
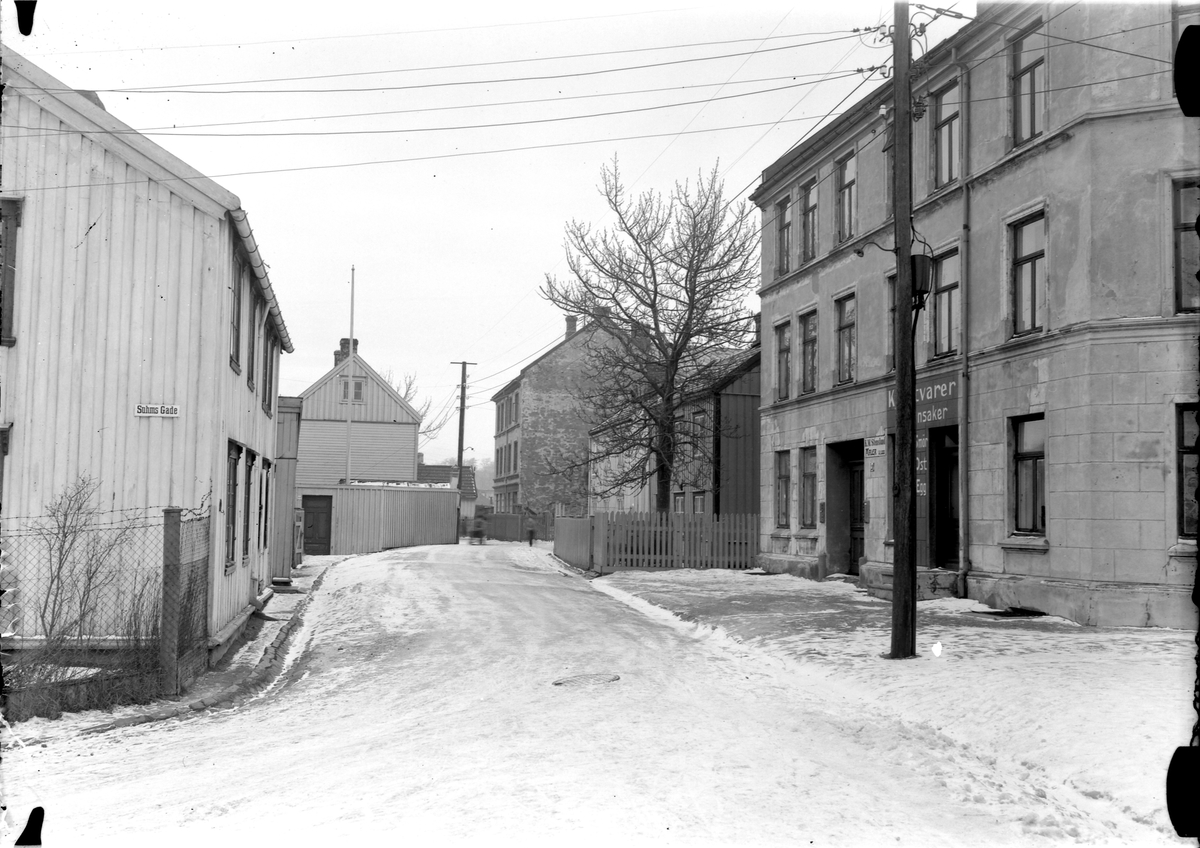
(572, 323)
(344, 352)
(758, 328)
(420, 458)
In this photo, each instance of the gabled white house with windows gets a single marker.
(140, 336)
(1055, 186)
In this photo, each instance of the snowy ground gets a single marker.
(417, 705)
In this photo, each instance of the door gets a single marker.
(857, 515)
(318, 516)
(944, 513)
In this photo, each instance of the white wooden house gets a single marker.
(383, 440)
(139, 333)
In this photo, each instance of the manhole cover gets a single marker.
(587, 679)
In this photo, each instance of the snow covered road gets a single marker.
(419, 706)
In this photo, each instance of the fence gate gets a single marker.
(183, 646)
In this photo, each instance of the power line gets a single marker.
(529, 122)
(448, 83)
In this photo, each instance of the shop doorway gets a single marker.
(845, 493)
(944, 502)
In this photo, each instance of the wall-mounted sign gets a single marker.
(156, 410)
(875, 446)
(936, 402)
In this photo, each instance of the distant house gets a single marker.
(444, 475)
(140, 339)
(539, 429)
(383, 441)
(725, 478)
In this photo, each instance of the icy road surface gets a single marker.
(418, 708)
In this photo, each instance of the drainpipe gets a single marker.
(964, 487)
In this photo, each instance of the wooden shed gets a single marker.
(139, 334)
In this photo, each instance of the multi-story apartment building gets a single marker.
(1055, 184)
(541, 434)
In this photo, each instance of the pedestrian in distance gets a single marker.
(477, 527)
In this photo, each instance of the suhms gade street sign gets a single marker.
(937, 402)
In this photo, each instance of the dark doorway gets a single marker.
(857, 522)
(943, 518)
(318, 515)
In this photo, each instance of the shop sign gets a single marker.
(936, 402)
(875, 447)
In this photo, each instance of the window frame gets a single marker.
(10, 223)
(698, 503)
(1038, 460)
(946, 151)
(940, 293)
(783, 236)
(235, 318)
(808, 487)
(678, 503)
(1182, 230)
(250, 458)
(808, 352)
(270, 345)
(847, 339)
(251, 340)
(264, 513)
(1019, 261)
(783, 360)
(847, 196)
(783, 489)
(232, 472)
(808, 221)
(1036, 94)
(360, 389)
(1182, 451)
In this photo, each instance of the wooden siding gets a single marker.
(378, 452)
(367, 519)
(121, 298)
(381, 403)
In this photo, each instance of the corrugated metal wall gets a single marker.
(378, 452)
(367, 519)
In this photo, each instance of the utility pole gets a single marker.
(904, 565)
(462, 420)
(350, 379)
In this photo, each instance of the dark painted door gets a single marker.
(318, 515)
(857, 515)
(945, 500)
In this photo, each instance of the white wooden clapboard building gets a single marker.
(383, 446)
(139, 333)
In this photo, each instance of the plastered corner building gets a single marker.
(1055, 186)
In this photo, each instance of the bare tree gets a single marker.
(406, 387)
(665, 289)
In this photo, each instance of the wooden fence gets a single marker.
(515, 527)
(612, 541)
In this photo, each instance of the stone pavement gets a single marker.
(250, 666)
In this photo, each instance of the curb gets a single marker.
(255, 681)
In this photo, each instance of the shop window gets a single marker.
(1187, 246)
(1186, 471)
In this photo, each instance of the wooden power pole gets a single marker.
(462, 419)
(904, 565)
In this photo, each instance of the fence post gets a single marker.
(168, 630)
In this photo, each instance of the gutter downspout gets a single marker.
(964, 453)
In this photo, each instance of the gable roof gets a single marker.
(84, 115)
(588, 328)
(445, 473)
(370, 373)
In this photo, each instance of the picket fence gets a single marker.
(611, 541)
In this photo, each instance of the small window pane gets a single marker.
(1190, 510)
(1031, 436)
(1031, 237)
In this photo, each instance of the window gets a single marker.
(946, 135)
(235, 319)
(1029, 264)
(783, 488)
(808, 221)
(847, 196)
(783, 236)
(1030, 460)
(250, 341)
(231, 499)
(516, 407)
(358, 390)
(847, 342)
(783, 360)
(270, 347)
(1187, 246)
(891, 328)
(945, 304)
(677, 502)
(698, 503)
(808, 487)
(246, 508)
(1028, 86)
(10, 222)
(808, 352)
(264, 506)
(516, 464)
(499, 416)
(1186, 429)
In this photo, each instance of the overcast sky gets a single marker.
(452, 238)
